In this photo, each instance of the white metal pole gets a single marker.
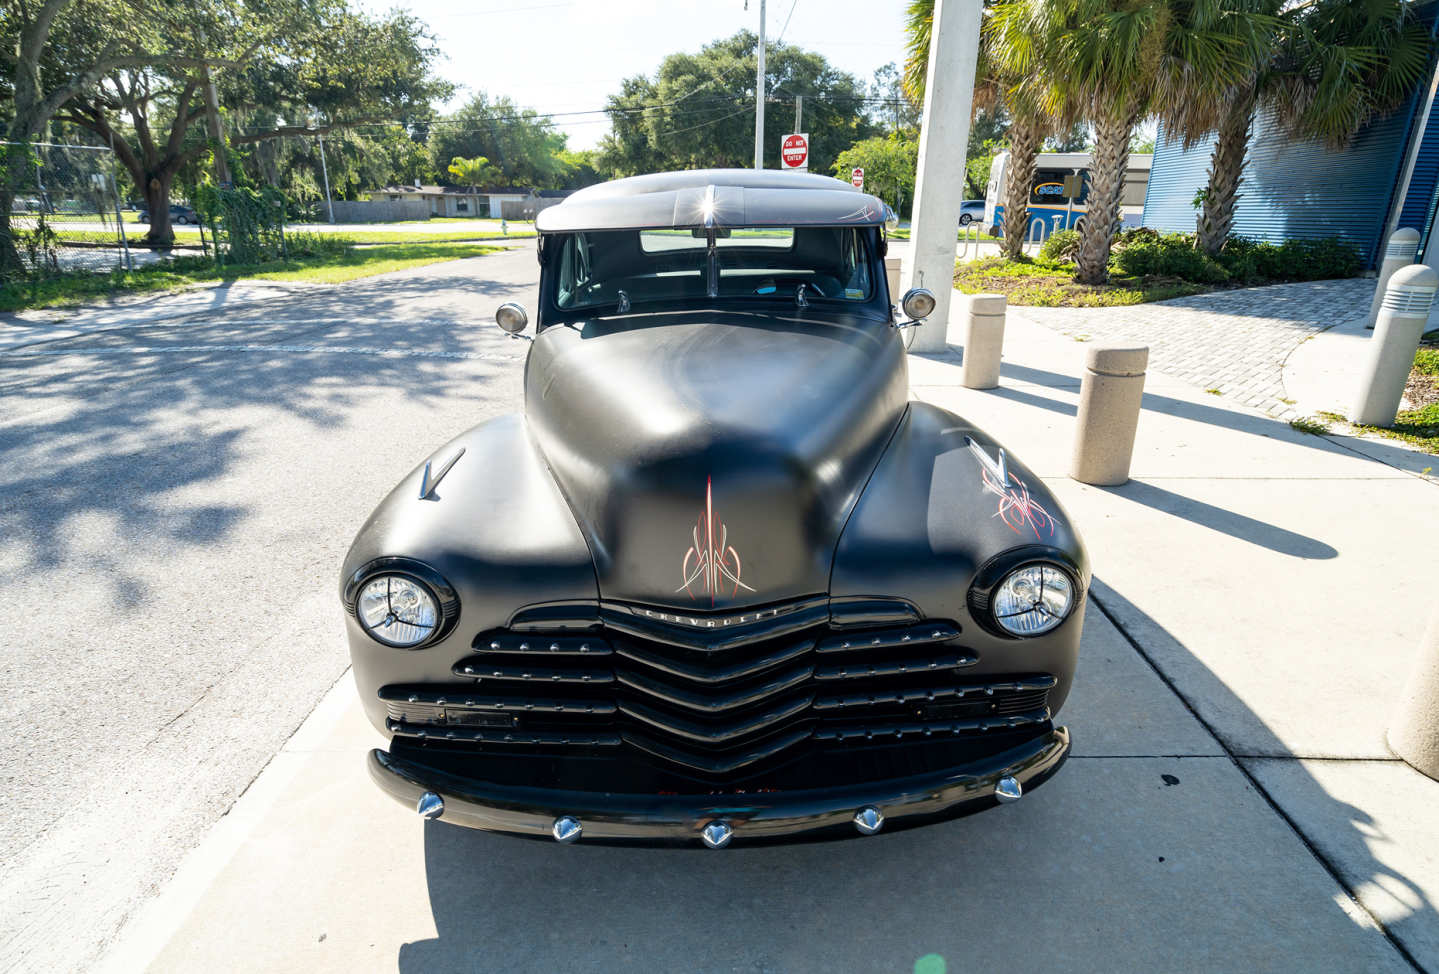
(943, 138)
(325, 171)
(798, 112)
(759, 95)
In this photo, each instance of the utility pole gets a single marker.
(325, 171)
(798, 112)
(759, 95)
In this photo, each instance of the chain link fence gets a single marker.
(64, 211)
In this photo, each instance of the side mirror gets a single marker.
(917, 304)
(511, 318)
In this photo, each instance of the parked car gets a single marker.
(178, 214)
(721, 579)
(971, 211)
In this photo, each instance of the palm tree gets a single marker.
(1327, 68)
(1112, 63)
(475, 172)
(993, 87)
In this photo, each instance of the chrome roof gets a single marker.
(714, 197)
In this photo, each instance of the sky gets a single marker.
(558, 56)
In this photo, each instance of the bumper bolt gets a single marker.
(868, 820)
(1008, 790)
(566, 829)
(430, 805)
(716, 835)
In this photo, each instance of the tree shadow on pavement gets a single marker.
(1126, 863)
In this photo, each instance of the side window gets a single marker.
(574, 274)
(856, 285)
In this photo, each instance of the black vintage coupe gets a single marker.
(722, 579)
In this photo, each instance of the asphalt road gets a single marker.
(175, 502)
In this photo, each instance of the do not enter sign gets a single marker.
(856, 177)
(794, 151)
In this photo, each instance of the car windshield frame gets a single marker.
(791, 288)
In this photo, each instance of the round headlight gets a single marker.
(397, 610)
(1033, 600)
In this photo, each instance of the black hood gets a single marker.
(712, 460)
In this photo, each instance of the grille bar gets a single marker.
(868, 732)
(718, 763)
(540, 644)
(466, 701)
(899, 667)
(703, 672)
(717, 701)
(491, 736)
(716, 733)
(933, 694)
(477, 668)
(850, 642)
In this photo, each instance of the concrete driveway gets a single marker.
(177, 498)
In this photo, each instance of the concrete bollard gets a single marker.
(1402, 318)
(1403, 245)
(1414, 734)
(983, 341)
(891, 274)
(1109, 399)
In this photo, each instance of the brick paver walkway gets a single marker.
(1233, 341)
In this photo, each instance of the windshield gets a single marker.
(645, 266)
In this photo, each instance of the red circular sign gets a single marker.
(856, 178)
(794, 151)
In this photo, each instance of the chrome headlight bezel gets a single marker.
(447, 601)
(995, 572)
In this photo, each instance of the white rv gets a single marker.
(1047, 199)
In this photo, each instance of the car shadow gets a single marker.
(1061, 873)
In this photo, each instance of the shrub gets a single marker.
(1134, 235)
(1172, 255)
(316, 244)
(1294, 260)
(1062, 245)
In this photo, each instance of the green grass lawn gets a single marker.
(1051, 284)
(1419, 427)
(331, 268)
(190, 236)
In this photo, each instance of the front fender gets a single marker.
(496, 528)
(934, 514)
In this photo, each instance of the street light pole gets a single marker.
(325, 172)
(759, 95)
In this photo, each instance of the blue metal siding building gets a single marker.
(1301, 189)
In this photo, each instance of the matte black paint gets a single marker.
(830, 483)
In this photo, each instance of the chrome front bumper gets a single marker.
(713, 820)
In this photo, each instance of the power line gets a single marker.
(780, 38)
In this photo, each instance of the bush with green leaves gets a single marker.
(1249, 260)
(249, 225)
(317, 245)
(1060, 246)
(1171, 255)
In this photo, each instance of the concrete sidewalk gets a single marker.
(1230, 805)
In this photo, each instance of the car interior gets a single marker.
(822, 263)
